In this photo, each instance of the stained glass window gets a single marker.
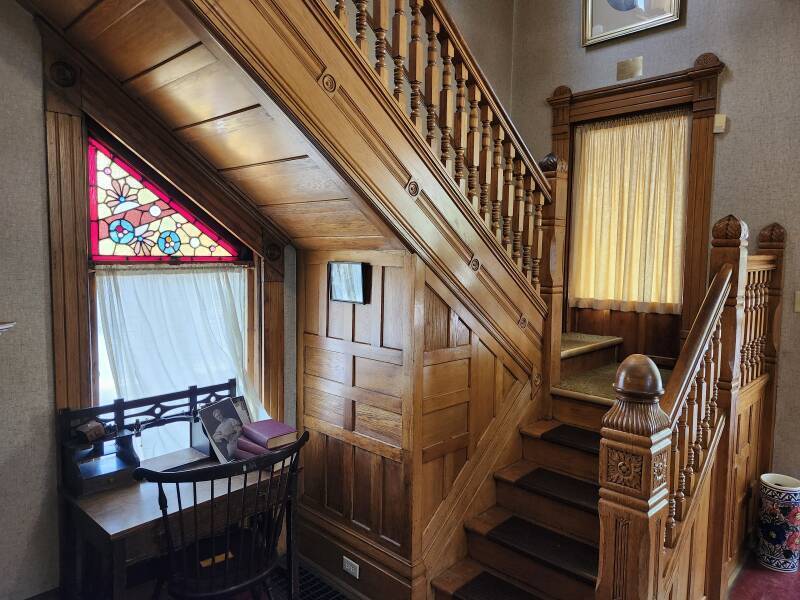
(132, 219)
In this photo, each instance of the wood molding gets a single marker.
(695, 88)
(102, 98)
(316, 71)
(69, 256)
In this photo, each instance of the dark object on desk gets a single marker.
(204, 560)
(91, 431)
(108, 462)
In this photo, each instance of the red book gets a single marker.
(250, 447)
(269, 433)
(242, 454)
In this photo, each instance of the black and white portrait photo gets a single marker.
(223, 425)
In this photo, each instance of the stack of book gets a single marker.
(263, 436)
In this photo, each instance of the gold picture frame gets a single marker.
(608, 19)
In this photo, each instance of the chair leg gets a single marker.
(158, 587)
(291, 554)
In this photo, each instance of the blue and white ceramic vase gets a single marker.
(779, 531)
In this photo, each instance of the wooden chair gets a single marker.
(220, 545)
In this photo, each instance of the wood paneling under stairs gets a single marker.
(164, 59)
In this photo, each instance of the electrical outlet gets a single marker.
(350, 567)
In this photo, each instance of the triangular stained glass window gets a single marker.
(132, 219)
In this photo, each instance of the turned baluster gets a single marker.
(461, 126)
(717, 343)
(527, 229)
(748, 330)
(518, 212)
(683, 451)
(498, 178)
(446, 104)
(700, 401)
(762, 342)
(674, 473)
(691, 429)
(538, 237)
(380, 21)
(485, 166)
(432, 86)
(399, 47)
(634, 484)
(416, 64)
(361, 26)
(711, 377)
(507, 207)
(341, 12)
(474, 147)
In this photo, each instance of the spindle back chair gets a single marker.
(221, 544)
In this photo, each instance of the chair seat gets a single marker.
(209, 573)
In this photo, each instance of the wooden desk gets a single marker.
(124, 525)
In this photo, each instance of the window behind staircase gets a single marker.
(629, 213)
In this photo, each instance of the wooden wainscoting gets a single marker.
(355, 383)
(746, 471)
(643, 333)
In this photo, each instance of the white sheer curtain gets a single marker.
(164, 329)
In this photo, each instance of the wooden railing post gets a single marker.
(634, 468)
(728, 246)
(551, 267)
(772, 241)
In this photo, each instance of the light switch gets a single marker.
(797, 302)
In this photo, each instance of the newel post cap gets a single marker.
(638, 377)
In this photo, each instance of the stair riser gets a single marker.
(440, 595)
(588, 361)
(583, 465)
(578, 413)
(556, 515)
(538, 576)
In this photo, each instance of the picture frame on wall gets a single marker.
(608, 19)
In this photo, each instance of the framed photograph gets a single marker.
(349, 282)
(607, 19)
(223, 424)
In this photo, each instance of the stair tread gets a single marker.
(566, 489)
(486, 586)
(457, 576)
(546, 546)
(574, 437)
(598, 382)
(575, 344)
(515, 471)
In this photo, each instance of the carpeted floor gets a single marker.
(598, 382)
(758, 583)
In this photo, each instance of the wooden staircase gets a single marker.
(541, 539)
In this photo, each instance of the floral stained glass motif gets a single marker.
(132, 219)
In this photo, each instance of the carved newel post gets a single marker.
(634, 457)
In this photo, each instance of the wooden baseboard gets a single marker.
(325, 553)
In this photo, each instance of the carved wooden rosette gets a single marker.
(634, 467)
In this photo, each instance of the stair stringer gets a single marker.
(467, 459)
(300, 55)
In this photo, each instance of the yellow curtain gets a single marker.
(629, 213)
